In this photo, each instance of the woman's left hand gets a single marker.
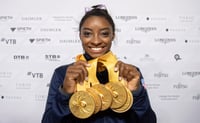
(129, 73)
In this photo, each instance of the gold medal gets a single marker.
(106, 97)
(96, 98)
(82, 104)
(118, 92)
(127, 104)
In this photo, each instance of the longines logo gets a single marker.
(50, 29)
(20, 29)
(145, 29)
(165, 40)
(35, 75)
(8, 41)
(62, 18)
(126, 18)
(52, 57)
(180, 86)
(6, 18)
(31, 18)
(39, 40)
(161, 75)
(133, 41)
(20, 57)
(70, 41)
(23, 85)
(191, 74)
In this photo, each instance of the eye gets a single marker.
(105, 34)
(87, 34)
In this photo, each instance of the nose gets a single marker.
(96, 40)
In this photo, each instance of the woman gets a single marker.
(97, 31)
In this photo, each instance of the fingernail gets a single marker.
(86, 78)
(115, 69)
(120, 78)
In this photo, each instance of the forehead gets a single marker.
(96, 21)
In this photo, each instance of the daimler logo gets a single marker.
(9, 41)
(50, 30)
(31, 18)
(70, 41)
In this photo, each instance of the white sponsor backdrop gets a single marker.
(161, 37)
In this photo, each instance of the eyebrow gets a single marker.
(106, 28)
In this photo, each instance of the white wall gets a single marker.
(160, 37)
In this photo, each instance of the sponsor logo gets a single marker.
(50, 29)
(147, 58)
(186, 18)
(177, 57)
(23, 86)
(62, 18)
(165, 40)
(35, 75)
(52, 57)
(11, 97)
(192, 41)
(180, 86)
(20, 29)
(40, 97)
(20, 57)
(8, 40)
(31, 18)
(145, 29)
(70, 41)
(5, 74)
(156, 18)
(126, 18)
(196, 97)
(6, 18)
(39, 40)
(191, 74)
(175, 29)
(133, 41)
(169, 97)
(161, 75)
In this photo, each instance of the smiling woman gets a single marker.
(115, 85)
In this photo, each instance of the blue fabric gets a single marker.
(57, 106)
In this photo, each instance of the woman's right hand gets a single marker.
(75, 73)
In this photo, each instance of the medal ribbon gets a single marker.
(109, 60)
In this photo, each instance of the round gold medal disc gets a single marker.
(97, 99)
(106, 97)
(127, 105)
(118, 92)
(82, 104)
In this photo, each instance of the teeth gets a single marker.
(96, 49)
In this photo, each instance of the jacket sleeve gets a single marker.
(57, 105)
(141, 105)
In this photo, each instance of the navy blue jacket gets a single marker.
(57, 106)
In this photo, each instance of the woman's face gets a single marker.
(96, 35)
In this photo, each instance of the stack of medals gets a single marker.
(92, 97)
